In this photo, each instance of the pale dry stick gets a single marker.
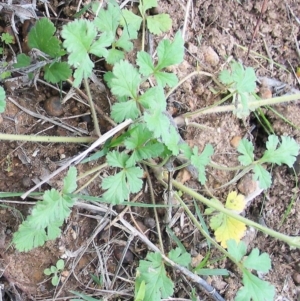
(102, 267)
(49, 139)
(186, 18)
(39, 116)
(268, 53)
(129, 240)
(78, 6)
(82, 250)
(195, 278)
(81, 156)
(16, 202)
(297, 46)
(60, 91)
(293, 14)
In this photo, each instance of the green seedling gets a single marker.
(241, 83)
(83, 297)
(47, 216)
(152, 135)
(97, 279)
(254, 288)
(55, 271)
(7, 38)
(278, 153)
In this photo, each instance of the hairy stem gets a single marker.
(229, 108)
(292, 241)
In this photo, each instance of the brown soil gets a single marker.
(216, 31)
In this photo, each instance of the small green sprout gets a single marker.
(55, 270)
(7, 38)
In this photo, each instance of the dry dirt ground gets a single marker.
(215, 32)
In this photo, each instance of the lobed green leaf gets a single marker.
(152, 272)
(159, 23)
(41, 37)
(200, 161)
(181, 258)
(255, 289)
(236, 250)
(57, 72)
(170, 53)
(126, 80)
(286, 152)
(108, 19)
(262, 176)
(23, 60)
(254, 261)
(246, 148)
(70, 184)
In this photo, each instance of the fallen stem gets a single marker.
(229, 108)
(52, 139)
(291, 241)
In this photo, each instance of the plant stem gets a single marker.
(206, 235)
(292, 241)
(215, 105)
(252, 105)
(92, 107)
(52, 139)
(216, 166)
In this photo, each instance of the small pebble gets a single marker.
(296, 277)
(26, 181)
(149, 222)
(234, 142)
(247, 185)
(211, 57)
(53, 106)
(118, 252)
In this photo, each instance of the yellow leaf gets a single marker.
(229, 229)
(235, 202)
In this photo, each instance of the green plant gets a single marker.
(47, 216)
(152, 282)
(7, 38)
(152, 135)
(241, 83)
(55, 271)
(278, 153)
(254, 288)
(83, 297)
(2, 100)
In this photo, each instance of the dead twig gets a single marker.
(263, 9)
(81, 156)
(39, 116)
(193, 277)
